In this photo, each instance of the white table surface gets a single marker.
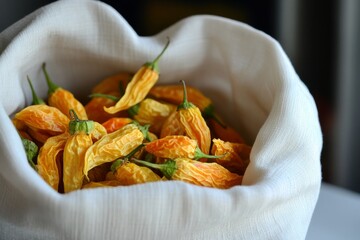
(336, 216)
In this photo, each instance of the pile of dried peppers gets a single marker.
(131, 131)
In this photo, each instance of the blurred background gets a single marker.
(320, 37)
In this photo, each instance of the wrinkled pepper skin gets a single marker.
(150, 111)
(73, 161)
(196, 172)
(175, 147)
(113, 146)
(43, 118)
(139, 86)
(205, 174)
(236, 156)
(175, 94)
(63, 99)
(194, 124)
(130, 173)
(116, 123)
(172, 126)
(49, 161)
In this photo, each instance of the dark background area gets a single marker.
(313, 51)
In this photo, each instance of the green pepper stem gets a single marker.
(108, 96)
(154, 64)
(118, 162)
(144, 129)
(52, 86)
(168, 168)
(185, 103)
(134, 110)
(77, 125)
(35, 99)
(199, 154)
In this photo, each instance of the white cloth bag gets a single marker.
(244, 71)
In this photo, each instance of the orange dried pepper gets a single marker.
(116, 123)
(175, 94)
(63, 99)
(42, 117)
(74, 152)
(195, 172)
(235, 156)
(95, 107)
(47, 160)
(152, 112)
(139, 86)
(171, 126)
(176, 147)
(112, 83)
(224, 132)
(113, 146)
(193, 123)
(130, 173)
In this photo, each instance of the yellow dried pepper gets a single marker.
(49, 160)
(195, 172)
(113, 146)
(139, 86)
(176, 147)
(74, 152)
(63, 99)
(235, 156)
(130, 173)
(171, 126)
(44, 118)
(193, 123)
(152, 112)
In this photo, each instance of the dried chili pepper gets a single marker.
(113, 146)
(44, 119)
(193, 123)
(175, 94)
(176, 147)
(116, 123)
(130, 173)
(171, 126)
(152, 112)
(195, 172)
(49, 160)
(224, 132)
(98, 132)
(74, 152)
(139, 86)
(63, 99)
(235, 156)
(95, 108)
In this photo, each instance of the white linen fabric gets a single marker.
(245, 72)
